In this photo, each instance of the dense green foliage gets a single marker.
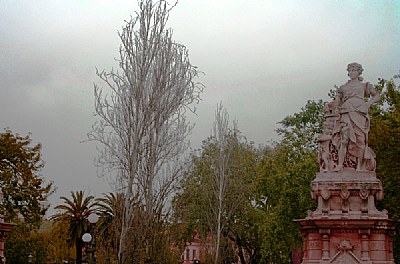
(49, 244)
(21, 243)
(195, 206)
(268, 189)
(58, 242)
(300, 130)
(384, 139)
(25, 191)
(283, 183)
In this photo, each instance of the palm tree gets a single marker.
(110, 208)
(76, 212)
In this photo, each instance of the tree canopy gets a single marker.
(25, 191)
(197, 205)
(384, 139)
(283, 182)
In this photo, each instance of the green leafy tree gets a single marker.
(300, 130)
(58, 240)
(76, 211)
(284, 188)
(384, 139)
(196, 206)
(25, 191)
(284, 177)
(244, 232)
(21, 243)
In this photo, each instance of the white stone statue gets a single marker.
(348, 140)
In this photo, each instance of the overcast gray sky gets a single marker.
(263, 59)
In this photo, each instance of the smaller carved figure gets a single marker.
(324, 153)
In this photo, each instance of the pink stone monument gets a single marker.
(347, 227)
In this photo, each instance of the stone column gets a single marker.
(365, 233)
(325, 243)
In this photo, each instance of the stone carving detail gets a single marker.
(345, 255)
(344, 192)
(325, 193)
(364, 191)
(378, 245)
(344, 140)
(345, 245)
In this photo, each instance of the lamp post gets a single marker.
(87, 237)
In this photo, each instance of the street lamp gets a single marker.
(87, 237)
(30, 258)
(93, 218)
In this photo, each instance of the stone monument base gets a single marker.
(347, 241)
(346, 227)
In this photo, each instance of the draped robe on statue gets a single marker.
(354, 121)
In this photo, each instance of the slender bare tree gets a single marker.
(221, 133)
(142, 124)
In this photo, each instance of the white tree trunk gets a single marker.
(221, 132)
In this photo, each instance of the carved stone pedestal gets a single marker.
(346, 227)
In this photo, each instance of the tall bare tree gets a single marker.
(221, 134)
(142, 123)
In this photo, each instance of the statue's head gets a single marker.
(355, 67)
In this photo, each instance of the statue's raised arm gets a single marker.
(344, 143)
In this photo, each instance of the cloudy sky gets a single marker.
(262, 58)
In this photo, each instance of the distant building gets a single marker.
(196, 249)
